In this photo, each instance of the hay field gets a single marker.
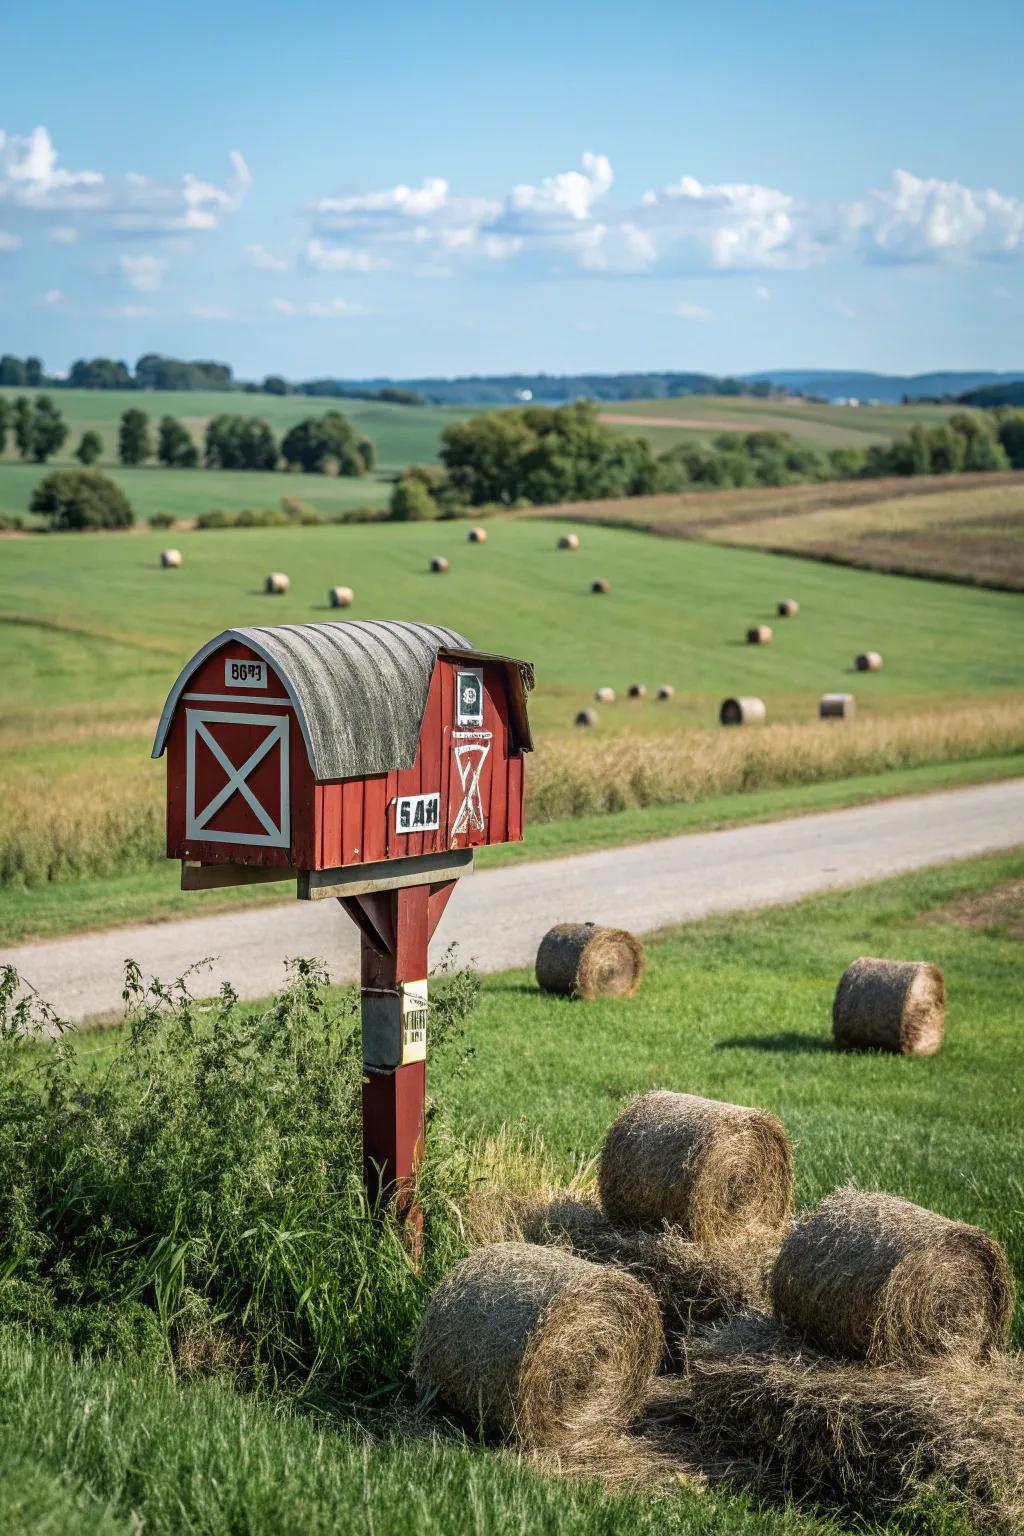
(667, 422)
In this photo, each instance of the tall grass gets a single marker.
(86, 822)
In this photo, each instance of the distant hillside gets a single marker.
(991, 395)
(541, 388)
(889, 387)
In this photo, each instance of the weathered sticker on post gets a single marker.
(418, 813)
(245, 674)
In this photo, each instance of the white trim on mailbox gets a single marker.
(277, 834)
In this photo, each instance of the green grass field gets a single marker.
(736, 1009)
(825, 426)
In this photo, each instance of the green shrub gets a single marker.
(411, 502)
(201, 1192)
(162, 520)
(80, 499)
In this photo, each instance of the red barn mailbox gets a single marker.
(365, 761)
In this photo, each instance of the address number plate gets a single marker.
(245, 674)
(418, 813)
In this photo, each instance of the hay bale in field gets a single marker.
(760, 634)
(716, 1171)
(742, 711)
(836, 706)
(584, 960)
(341, 597)
(537, 1345)
(277, 583)
(438, 563)
(890, 1005)
(605, 695)
(569, 541)
(666, 691)
(866, 1439)
(638, 690)
(869, 661)
(788, 608)
(600, 585)
(170, 559)
(586, 717)
(875, 1278)
(476, 536)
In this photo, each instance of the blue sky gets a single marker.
(441, 188)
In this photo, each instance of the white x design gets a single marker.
(274, 835)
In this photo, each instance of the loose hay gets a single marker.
(743, 711)
(890, 1005)
(860, 1437)
(537, 1345)
(170, 559)
(438, 563)
(605, 695)
(277, 583)
(716, 1171)
(788, 608)
(760, 634)
(476, 536)
(600, 585)
(638, 690)
(666, 691)
(569, 541)
(586, 717)
(869, 661)
(583, 960)
(875, 1278)
(836, 706)
(341, 597)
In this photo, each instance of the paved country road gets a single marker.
(497, 917)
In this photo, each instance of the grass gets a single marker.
(824, 426)
(738, 1009)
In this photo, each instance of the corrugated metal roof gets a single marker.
(359, 688)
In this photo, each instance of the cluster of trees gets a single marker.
(36, 426)
(322, 445)
(544, 455)
(152, 371)
(21, 373)
(74, 500)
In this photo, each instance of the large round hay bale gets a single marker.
(717, 1171)
(170, 559)
(583, 960)
(341, 597)
(869, 661)
(586, 717)
(438, 563)
(476, 536)
(876, 1278)
(836, 706)
(600, 585)
(760, 634)
(569, 541)
(742, 711)
(788, 608)
(277, 583)
(638, 690)
(605, 695)
(666, 691)
(537, 1345)
(890, 1005)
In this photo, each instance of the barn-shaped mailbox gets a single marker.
(322, 749)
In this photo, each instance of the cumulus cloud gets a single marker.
(144, 273)
(32, 181)
(317, 309)
(342, 258)
(569, 195)
(265, 261)
(918, 219)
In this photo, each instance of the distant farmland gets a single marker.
(667, 422)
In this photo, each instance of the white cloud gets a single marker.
(342, 258)
(728, 227)
(264, 260)
(925, 219)
(316, 309)
(570, 194)
(51, 297)
(144, 273)
(9, 242)
(62, 234)
(409, 202)
(692, 312)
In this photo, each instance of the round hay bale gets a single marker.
(605, 695)
(586, 717)
(717, 1171)
(277, 583)
(869, 661)
(583, 960)
(539, 1346)
(760, 634)
(638, 690)
(890, 1005)
(836, 706)
(788, 608)
(438, 563)
(875, 1278)
(600, 585)
(569, 541)
(341, 597)
(170, 559)
(476, 536)
(742, 711)
(666, 691)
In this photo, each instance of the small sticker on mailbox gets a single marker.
(418, 813)
(245, 674)
(469, 697)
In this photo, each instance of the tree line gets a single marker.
(327, 444)
(545, 455)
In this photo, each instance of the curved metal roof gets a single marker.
(359, 688)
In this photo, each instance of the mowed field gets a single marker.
(666, 422)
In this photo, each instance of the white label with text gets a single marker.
(418, 813)
(245, 674)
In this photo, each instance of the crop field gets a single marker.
(736, 1009)
(666, 422)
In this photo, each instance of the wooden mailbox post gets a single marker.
(365, 761)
